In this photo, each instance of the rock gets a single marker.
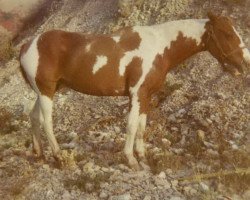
(166, 142)
(209, 145)
(162, 175)
(204, 187)
(103, 195)
(123, 167)
(89, 187)
(212, 152)
(236, 197)
(171, 118)
(201, 135)
(182, 111)
(174, 129)
(189, 190)
(246, 195)
(174, 183)
(46, 167)
(122, 197)
(88, 167)
(162, 182)
(122, 103)
(175, 198)
(233, 145)
(147, 197)
(169, 171)
(66, 195)
(104, 169)
(70, 145)
(73, 135)
(177, 151)
(117, 129)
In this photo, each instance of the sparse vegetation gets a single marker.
(87, 182)
(196, 132)
(6, 49)
(5, 121)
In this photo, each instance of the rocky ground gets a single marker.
(197, 139)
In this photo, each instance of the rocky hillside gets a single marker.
(197, 139)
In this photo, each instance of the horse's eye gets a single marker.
(227, 34)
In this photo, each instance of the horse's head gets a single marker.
(226, 45)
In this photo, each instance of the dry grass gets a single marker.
(5, 122)
(6, 48)
(87, 182)
(161, 162)
(229, 168)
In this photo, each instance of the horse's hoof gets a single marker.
(135, 166)
(144, 165)
(59, 162)
(133, 163)
(32, 157)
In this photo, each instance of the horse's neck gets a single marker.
(184, 39)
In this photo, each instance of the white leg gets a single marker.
(46, 108)
(36, 120)
(133, 120)
(139, 136)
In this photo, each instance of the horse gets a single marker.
(132, 61)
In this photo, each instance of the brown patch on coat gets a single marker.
(64, 61)
(220, 34)
(129, 40)
(180, 49)
(133, 72)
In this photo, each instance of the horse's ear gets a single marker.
(211, 16)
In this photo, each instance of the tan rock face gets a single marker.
(10, 5)
(12, 13)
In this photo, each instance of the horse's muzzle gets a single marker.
(236, 70)
(243, 67)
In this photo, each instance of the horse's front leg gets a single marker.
(132, 126)
(139, 143)
(144, 99)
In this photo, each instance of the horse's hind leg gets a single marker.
(133, 119)
(36, 120)
(46, 105)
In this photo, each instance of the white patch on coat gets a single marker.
(139, 135)
(116, 38)
(133, 120)
(154, 39)
(100, 62)
(30, 61)
(246, 53)
(87, 48)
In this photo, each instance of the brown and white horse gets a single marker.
(131, 62)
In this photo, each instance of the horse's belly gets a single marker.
(99, 86)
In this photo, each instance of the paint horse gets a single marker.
(131, 62)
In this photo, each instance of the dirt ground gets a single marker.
(197, 139)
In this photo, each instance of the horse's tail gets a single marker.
(23, 50)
